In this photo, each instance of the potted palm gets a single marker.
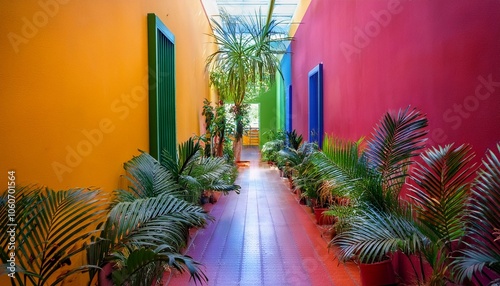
(295, 160)
(374, 178)
(145, 228)
(430, 229)
(247, 59)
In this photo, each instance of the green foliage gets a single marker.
(482, 246)
(439, 189)
(396, 140)
(195, 173)
(342, 164)
(156, 225)
(248, 53)
(273, 135)
(270, 150)
(51, 228)
(293, 139)
(299, 165)
(247, 58)
(209, 113)
(372, 179)
(373, 234)
(148, 223)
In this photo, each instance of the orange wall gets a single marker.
(73, 79)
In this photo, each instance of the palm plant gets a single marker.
(372, 179)
(342, 164)
(148, 223)
(439, 189)
(142, 238)
(193, 173)
(482, 249)
(215, 125)
(296, 159)
(51, 228)
(247, 56)
(271, 149)
(375, 175)
(293, 139)
(373, 234)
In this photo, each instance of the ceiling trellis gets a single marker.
(283, 10)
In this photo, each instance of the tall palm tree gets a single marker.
(247, 55)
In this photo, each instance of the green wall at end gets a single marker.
(267, 113)
(280, 103)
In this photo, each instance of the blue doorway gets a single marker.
(315, 124)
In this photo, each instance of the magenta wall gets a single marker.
(442, 57)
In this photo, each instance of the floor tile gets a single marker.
(264, 237)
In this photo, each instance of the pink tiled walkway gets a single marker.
(264, 237)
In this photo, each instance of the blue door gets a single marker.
(316, 105)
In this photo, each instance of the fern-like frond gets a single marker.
(148, 178)
(340, 163)
(440, 190)
(373, 234)
(396, 139)
(52, 227)
(483, 248)
(152, 220)
(135, 265)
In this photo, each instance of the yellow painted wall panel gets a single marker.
(302, 6)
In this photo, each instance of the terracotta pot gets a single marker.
(104, 275)
(377, 274)
(323, 219)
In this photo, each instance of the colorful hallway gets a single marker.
(264, 237)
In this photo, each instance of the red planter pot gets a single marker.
(323, 219)
(377, 274)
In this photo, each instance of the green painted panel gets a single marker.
(280, 104)
(161, 61)
(267, 113)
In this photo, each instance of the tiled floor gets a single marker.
(264, 237)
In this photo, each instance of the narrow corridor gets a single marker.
(264, 237)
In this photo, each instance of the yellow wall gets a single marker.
(298, 15)
(73, 70)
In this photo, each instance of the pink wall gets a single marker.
(442, 57)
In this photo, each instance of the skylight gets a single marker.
(283, 10)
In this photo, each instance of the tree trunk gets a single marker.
(237, 146)
(238, 140)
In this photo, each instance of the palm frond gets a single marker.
(341, 164)
(152, 219)
(138, 260)
(51, 228)
(396, 139)
(373, 234)
(148, 178)
(440, 191)
(194, 173)
(483, 248)
(293, 139)
(157, 223)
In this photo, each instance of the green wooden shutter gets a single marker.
(161, 58)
